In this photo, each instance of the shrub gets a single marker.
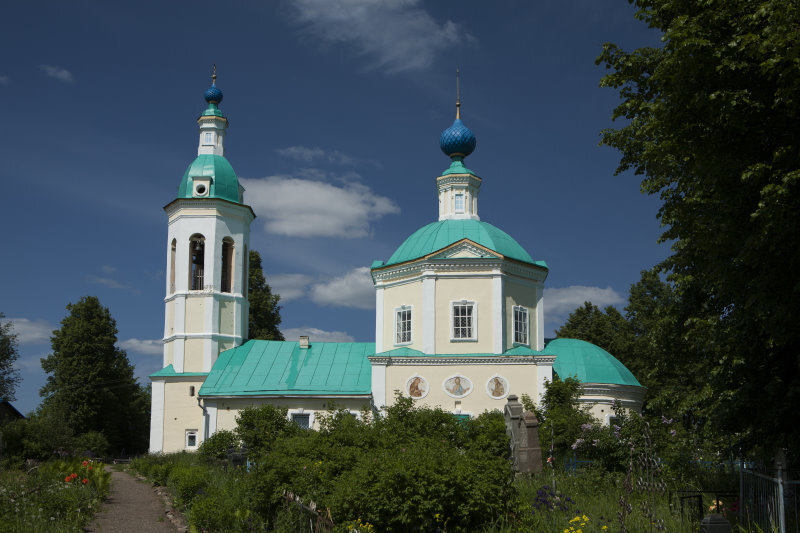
(218, 445)
(187, 483)
(259, 427)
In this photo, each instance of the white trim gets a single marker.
(379, 318)
(506, 384)
(211, 408)
(462, 377)
(545, 361)
(378, 384)
(429, 313)
(397, 310)
(473, 325)
(499, 332)
(539, 317)
(408, 384)
(301, 411)
(157, 417)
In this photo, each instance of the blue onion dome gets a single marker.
(213, 95)
(457, 140)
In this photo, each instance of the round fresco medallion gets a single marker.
(417, 387)
(497, 387)
(457, 386)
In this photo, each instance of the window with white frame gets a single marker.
(191, 439)
(208, 138)
(402, 325)
(520, 325)
(459, 202)
(464, 320)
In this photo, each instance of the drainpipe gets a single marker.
(205, 418)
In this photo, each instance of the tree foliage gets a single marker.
(265, 313)
(711, 124)
(9, 352)
(90, 382)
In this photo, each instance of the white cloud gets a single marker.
(31, 331)
(562, 301)
(316, 335)
(58, 73)
(3, 80)
(143, 346)
(289, 286)
(307, 155)
(307, 208)
(29, 364)
(395, 35)
(108, 269)
(110, 282)
(353, 289)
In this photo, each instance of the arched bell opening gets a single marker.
(197, 257)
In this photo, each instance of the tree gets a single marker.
(91, 383)
(711, 125)
(9, 352)
(607, 329)
(265, 313)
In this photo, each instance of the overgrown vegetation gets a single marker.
(54, 496)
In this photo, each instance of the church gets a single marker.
(459, 315)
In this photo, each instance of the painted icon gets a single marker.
(497, 387)
(458, 386)
(417, 387)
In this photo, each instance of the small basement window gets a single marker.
(191, 439)
(302, 420)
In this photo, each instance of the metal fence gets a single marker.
(769, 502)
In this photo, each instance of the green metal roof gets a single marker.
(457, 167)
(212, 111)
(441, 234)
(589, 363)
(169, 371)
(224, 183)
(280, 368)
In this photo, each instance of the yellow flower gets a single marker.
(585, 518)
(577, 518)
(604, 528)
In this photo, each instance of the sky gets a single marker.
(335, 110)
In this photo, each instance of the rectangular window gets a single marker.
(520, 325)
(464, 320)
(208, 138)
(303, 421)
(191, 438)
(459, 202)
(403, 325)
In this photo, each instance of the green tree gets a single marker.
(9, 376)
(90, 381)
(711, 123)
(606, 328)
(265, 313)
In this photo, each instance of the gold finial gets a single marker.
(458, 94)
(214, 75)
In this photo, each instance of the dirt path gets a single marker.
(134, 505)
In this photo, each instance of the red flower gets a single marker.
(90, 467)
(84, 481)
(68, 479)
(85, 463)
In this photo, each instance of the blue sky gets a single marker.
(335, 112)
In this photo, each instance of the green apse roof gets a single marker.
(587, 362)
(224, 183)
(282, 368)
(443, 233)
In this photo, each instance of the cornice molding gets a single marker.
(536, 360)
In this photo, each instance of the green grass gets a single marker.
(49, 498)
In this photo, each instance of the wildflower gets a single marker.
(577, 443)
(85, 463)
(586, 427)
(673, 432)
(604, 528)
(90, 467)
(68, 479)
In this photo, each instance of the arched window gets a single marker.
(172, 251)
(197, 259)
(227, 265)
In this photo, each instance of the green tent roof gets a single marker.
(224, 183)
(441, 234)
(280, 368)
(589, 363)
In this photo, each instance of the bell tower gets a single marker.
(207, 245)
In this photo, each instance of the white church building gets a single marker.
(459, 316)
